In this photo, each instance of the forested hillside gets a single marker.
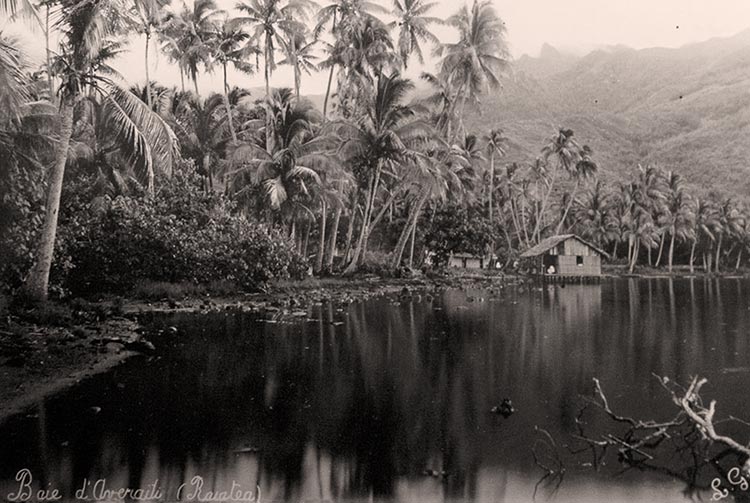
(685, 109)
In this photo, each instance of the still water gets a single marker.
(390, 399)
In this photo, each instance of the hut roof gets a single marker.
(552, 241)
(465, 255)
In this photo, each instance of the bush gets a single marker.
(181, 235)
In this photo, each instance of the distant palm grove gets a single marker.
(106, 185)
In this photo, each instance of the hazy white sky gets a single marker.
(575, 25)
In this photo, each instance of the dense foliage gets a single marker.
(181, 234)
(458, 229)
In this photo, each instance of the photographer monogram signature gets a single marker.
(98, 490)
(735, 478)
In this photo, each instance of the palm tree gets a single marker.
(270, 22)
(385, 136)
(706, 222)
(340, 13)
(678, 217)
(302, 152)
(299, 55)
(564, 149)
(187, 37)
(730, 222)
(480, 55)
(496, 145)
(585, 168)
(439, 102)
(230, 47)
(595, 218)
(413, 28)
(202, 127)
(364, 49)
(86, 28)
(149, 16)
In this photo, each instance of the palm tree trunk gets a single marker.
(560, 225)
(334, 236)
(50, 84)
(328, 93)
(536, 234)
(636, 250)
(36, 285)
(207, 170)
(195, 85)
(692, 255)
(322, 242)
(228, 106)
(661, 248)
(671, 251)
(182, 79)
(148, 81)
(411, 222)
(363, 229)
(492, 180)
(306, 241)
(297, 78)
(368, 223)
(718, 251)
(739, 260)
(411, 246)
(350, 233)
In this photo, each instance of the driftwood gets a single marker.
(690, 433)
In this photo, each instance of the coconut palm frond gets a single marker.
(145, 139)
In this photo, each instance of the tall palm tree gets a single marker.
(439, 102)
(337, 14)
(187, 37)
(585, 168)
(413, 26)
(299, 55)
(385, 136)
(302, 153)
(594, 216)
(270, 21)
(706, 223)
(679, 218)
(149, 16)
(566, 152)
(730, 222)
(230, 46)
(476, 61)
(496, 145)
(86, 28)
(202, 127)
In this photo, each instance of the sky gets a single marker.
(569, 25)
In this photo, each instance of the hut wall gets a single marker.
(568, 265)
(474, 263)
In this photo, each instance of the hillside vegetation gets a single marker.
(685, 109)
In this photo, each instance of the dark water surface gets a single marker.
(355, 404)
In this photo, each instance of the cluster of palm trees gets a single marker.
(655, 212)
(376, 148)
(652, 214)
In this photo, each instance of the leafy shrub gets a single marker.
(179, 235)
(458, 228)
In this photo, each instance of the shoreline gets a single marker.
(50, 359)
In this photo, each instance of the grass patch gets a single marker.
(161, 290)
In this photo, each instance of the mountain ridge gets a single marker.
(686, 108)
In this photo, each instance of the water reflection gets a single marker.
(376, 400)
